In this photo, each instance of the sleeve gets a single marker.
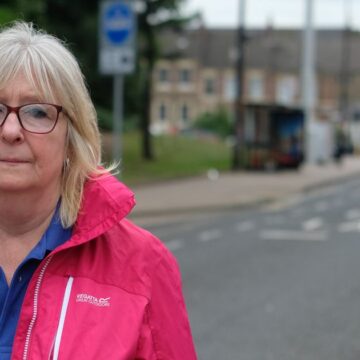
(166, 333)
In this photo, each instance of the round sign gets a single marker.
(118, 24)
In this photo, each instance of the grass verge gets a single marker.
(175, 157)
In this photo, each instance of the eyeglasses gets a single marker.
(38, 118)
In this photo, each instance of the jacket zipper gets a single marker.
(60, 328)
(35, 308)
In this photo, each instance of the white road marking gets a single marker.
(352, 226)
(321, 206)
(175, 244)
(312, 224)
(245, 226)
(293, 235)
(352, 214)
(209, 235)
(283, 204)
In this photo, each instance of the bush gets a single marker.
(217, 122)
(105, 120)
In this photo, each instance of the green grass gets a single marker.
(175, 157)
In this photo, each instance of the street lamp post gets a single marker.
(309, 78)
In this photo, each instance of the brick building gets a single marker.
(196, 73)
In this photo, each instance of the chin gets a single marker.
(13, 186)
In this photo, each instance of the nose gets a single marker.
(11, 130)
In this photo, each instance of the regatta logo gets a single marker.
(93, 300)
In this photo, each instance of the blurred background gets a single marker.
(237, 123)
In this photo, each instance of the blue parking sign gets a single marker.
(117, 36)
(118, 23)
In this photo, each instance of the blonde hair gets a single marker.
(55, 73)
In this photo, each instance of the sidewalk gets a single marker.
(235, 190)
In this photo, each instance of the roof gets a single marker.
(265, 48)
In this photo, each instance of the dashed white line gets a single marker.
(283, 204)
(209, 235)
(353, 226)
(293, 235)
(352, 214)
(312, 224)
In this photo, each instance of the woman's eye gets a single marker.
(36, 113)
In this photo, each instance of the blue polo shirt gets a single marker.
(11, 297)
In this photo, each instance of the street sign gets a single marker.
(117, 37)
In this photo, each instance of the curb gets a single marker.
(141, 214)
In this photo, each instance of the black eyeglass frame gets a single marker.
(16, 110)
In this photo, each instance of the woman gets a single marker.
(77, 279)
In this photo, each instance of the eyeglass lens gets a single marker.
(39, 118)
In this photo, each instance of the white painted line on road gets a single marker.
(353, 226)
(175, 244)
(283, 204)
(245, 226)
(321, 206)
(312, 224)
(352, 214)
(209, 235)
(293, 235)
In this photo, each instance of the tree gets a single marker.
(154, 17)
(77, 24)
(72, 22)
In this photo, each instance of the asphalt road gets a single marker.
(281, 282)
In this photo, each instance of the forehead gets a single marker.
(26, 88)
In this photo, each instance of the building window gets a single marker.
(162, 112)
(185, 76)
(209, 86)
(286, 90)
(163, 75)
(184, 113)
(256, 87)
(230, 88)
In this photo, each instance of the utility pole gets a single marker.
(309, 79)
(239, 101)
(345, 64)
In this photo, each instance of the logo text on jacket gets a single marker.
(93, 300)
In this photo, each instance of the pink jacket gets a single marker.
(111, 292)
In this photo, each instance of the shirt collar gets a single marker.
(54, 236)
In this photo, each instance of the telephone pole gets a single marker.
(239, 101)
(345, 64)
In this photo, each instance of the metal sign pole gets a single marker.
(117, 117)
(117, 33)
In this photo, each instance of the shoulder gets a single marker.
(139, 256)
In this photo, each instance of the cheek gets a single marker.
(50, 154)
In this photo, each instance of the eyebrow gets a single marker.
(27, 99)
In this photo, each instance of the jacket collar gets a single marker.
(105, 202)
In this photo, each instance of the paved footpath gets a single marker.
(234, 190)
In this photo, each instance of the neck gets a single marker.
(24, 217)
(25, 213)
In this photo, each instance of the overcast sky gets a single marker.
(281, 13)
